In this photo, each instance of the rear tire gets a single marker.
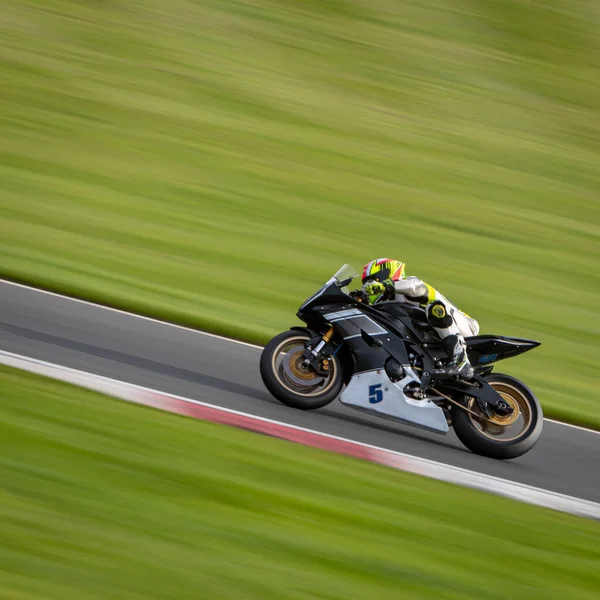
(484, 438)
(289, 382)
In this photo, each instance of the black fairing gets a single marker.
(369, 342)
(403, 322)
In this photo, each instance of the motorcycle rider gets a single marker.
(385, 279)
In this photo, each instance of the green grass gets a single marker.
(101, 499)
(211, 162)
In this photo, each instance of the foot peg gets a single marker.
(453, 372)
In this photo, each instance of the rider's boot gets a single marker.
(459, 367)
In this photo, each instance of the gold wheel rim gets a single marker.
(497, 426)
(294, 361)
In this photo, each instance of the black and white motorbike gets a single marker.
(381, 359)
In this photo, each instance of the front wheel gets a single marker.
(293, 384)
(497, 436)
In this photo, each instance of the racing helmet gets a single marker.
(382, 269)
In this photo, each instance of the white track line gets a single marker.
(389, 458)
(572, 426)
(199, 331)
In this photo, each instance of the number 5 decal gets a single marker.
(375, 393)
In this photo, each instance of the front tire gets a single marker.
(292, 384)
(504, 437)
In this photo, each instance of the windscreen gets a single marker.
(345, 272)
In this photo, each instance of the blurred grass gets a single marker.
(212, 162)
(101, 499)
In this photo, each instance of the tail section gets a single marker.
(486, 349)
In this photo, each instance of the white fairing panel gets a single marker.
(373, 391)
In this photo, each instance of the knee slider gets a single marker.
(437, 315)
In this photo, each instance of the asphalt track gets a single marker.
(223, 372)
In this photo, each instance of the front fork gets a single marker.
(311, 356)
(324, 341)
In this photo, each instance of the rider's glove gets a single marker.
(373, 288)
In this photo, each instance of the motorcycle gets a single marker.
(381, 359)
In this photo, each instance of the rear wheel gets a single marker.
(500, 436)
(290, 381)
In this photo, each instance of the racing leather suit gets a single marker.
(446, 318)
